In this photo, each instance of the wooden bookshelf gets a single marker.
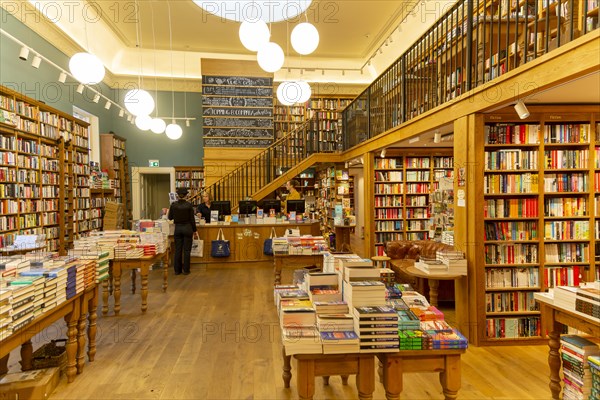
(114, 161)
(44, 167)
(540, 202)
(335, 187)
(191, 178)
(403, 182)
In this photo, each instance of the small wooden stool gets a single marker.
(380, 261)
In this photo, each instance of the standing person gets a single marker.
(204, 208)
(182, 213)
(293, 193)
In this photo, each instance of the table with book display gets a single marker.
(567, 306)
(330, 333)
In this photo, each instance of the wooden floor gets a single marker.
(215, 335)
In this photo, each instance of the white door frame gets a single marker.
(136, 187)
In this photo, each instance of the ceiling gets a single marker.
(358, 39)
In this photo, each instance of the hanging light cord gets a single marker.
(138, 38)
(155, 74)
(171, 47)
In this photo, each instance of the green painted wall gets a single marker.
(42, 84)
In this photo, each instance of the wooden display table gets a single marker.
(74, 316)
(89, 306)
(342, 238)
(246, 240)
(433, 281)
(311, 365)
(554, 320)
(391, 369)
(279, 260)
(444, 361)
(143, 264)
(9, 251)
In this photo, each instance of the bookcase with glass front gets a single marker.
(540, 202)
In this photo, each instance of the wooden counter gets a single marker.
(246, 240)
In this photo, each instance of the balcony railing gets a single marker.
(475, 42)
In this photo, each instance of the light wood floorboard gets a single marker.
(215, 335)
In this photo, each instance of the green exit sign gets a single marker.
(153, 163)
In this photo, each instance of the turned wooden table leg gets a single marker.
(433, 291)
(450, 377)
(392, 376)
(81, 331)
(144, 276)
(305, 379)
(554, 361)
(117, 290)
(277, 271)
(287, 368)
(365, 382)
(133, 276)
(71, 346)
(26, 355)
(92, 317)
(105, 297)
(165, 265)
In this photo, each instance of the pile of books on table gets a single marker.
(575, 352)
(377, 328)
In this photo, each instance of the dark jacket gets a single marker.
(205, 211)
(182, 212)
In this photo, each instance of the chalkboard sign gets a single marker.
(236, 142)
(238, 112)
(237, 101)
(239, 132)
(237, 91)
(239, 122)
(237, 81)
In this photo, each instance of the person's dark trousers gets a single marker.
(183, 247)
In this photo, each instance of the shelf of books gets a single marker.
(597, 201)
(35, 161)
(403, 183)
(538, 212)
(335, 196)
(326, 197)
(191, 178)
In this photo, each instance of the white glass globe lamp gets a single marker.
(305, 91)
(158, 125)
(143, 122)
(288, 92)
(305, 38)
(87, 68)
(139, 102)
(254, 34)
(270, 57)
(173, 131)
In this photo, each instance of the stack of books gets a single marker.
(377, 328)
(454, 259)
(22, 306)
(431, 266)
(574, 351)
(298, 340)
(339, 342)
(5, 310)
(364, 293)
(594, 363)
(50, 289)
(445, 339)
(407, 320)
(335, 322)
(323, 286)
(587, 301)
(414, 340)
(414, 299)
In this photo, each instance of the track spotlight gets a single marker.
(80, 88)
(96, 97)
(128, 118)
(35, 63)
(521, 109)
(362, 71)
(24, 53)
(121, 112)
(382, 155)
(187, 123)
(437, 137)
(323, 72)
(107, 105)
(380, 50)
(62, 78)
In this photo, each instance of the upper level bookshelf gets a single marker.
(44, 170)
(403, 183)
(191, 178)
(540, 208)
(113, 149)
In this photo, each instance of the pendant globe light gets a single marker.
(143, 122)
(270, 57)
(288, 93)
(305, 91)
(251, 10)
(253, 34)
(87, 68)
(158, 125)
(173, 131)
(305, 38)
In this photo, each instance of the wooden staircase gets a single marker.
(286, 158)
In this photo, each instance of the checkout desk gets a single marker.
(246, 240)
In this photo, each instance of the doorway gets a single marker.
(150, 191)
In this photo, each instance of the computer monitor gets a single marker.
(248, 207)
(271, 204)
(296, 205)
(223, 206)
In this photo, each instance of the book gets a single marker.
(365, 312)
